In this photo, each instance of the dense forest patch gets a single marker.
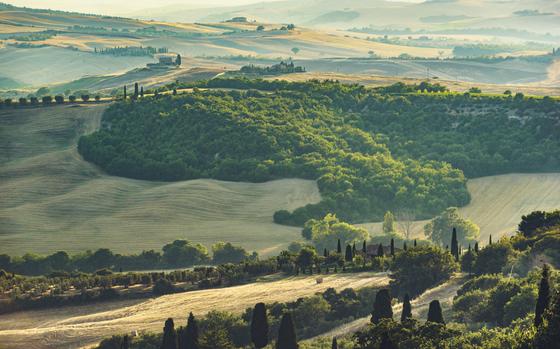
(369, 150)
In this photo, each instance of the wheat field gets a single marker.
(79, 326)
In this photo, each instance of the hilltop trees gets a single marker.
(449, 220)
(357, 176)
(324, 233)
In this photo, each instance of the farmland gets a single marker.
(85, 325)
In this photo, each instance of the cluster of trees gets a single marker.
(131, 51)
(303, 130)
(276, 69)
(45, 100)
(178, 254)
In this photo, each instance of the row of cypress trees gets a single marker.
(188, 337)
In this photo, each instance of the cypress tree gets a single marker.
(125, 343)
(124, 92)
(415, 243)
(135, 90)
(382, 306)
(169, 340)
(406, 309)
(386, 342)
(259, 326)
(325, 252)
(490, 240)
(334, 343)
(142, 91)
(454, 245)
(354, 249)
(364, 248)
(404, 246)
(191, 333)
(286, 333)
(338, 247)
(380, 251)
(392, 247)
(543, 299)
(476, 247)
(435, 313)
(348, 255)
(548, 334)
(174, 92)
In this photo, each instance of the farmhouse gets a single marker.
(166, 61)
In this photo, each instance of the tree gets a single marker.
(286, 333)
(142, 91)
(338, 247)
(435, 313)
(364, 248)
(260, 28)
(382, 306)
(543, 299)
(59, 99)
(494, 258)
(259, 326)
(405, 248)
(386, 342)
(348, 254)
(490, 240)
(334, 344)
(169, 339)
(124, 92)
(191, 333)
(353, 249)
(325, 232)
(438, 229)
(295, 50)
(227, 253)
(476, 247)
(136, 93)
(325, 252)
(548, 334)
(389, 227)
(406, 220)
(306, 257)
(406, 309)
(125, 343)
(178, 59)
(467, 261)
(392, 247)
(380, 252)
(454, 245)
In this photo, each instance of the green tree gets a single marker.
(325, 232)
(392, 247)
(438, 229)
(435, 313)
(286, 333)
(334, 344)
(182, 253)
(338, 247)
(295, 50)
(543, 299)
(494, 258)
(389, 225)
(306, 257)
(348, 254)
(382, 306)
(386, 342)
(380, 252)
(548, 334)
(259, 326)
(125, 342)
(178, 60)
(454, 245)
(169, 339)
(406, 309)
(227, 253)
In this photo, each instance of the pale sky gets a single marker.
(121, 7)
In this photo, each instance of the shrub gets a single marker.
(85, 98)
(163, 286)
(46, 100)
(59, 99)
(34, 100)
(23, 101)
(72, 98)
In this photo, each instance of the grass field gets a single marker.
(78, 326)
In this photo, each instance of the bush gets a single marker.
(34, 100)
(97, 98)
(495, 258)
(23, 101)
(46, 100)
(85, 98)
(163, 286)
(72, 98)
(59, 99)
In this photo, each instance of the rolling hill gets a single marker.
(53, 200)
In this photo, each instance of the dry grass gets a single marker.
(52, 200)
(83, 325)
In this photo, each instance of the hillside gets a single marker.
(82, 325)
(53, 200)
